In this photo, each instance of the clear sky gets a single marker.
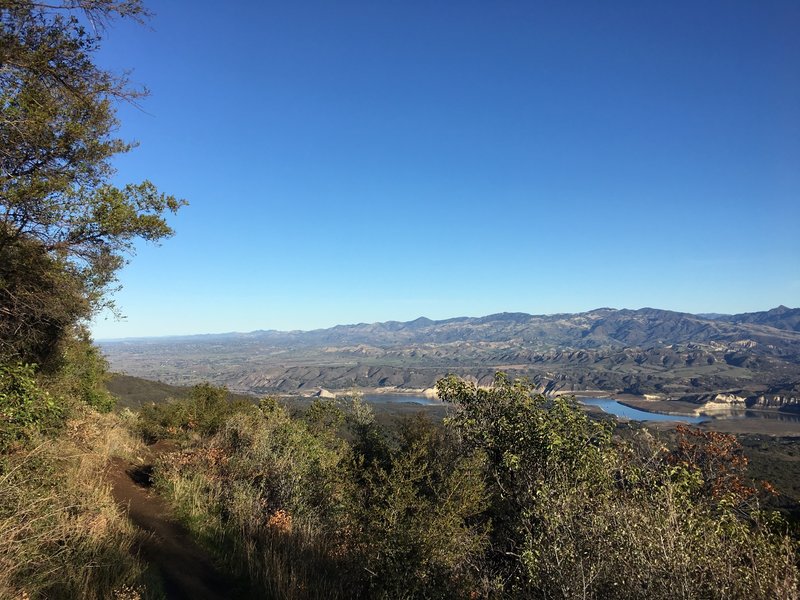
(375, 160)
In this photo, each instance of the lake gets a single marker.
(620, 410)
(608, 405)
(401, 399)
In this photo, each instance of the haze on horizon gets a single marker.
(365, 162)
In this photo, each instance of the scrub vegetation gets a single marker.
(512, 496)
(61, 533)
(65, 230)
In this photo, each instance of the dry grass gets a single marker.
(280, 551)
(61, 533)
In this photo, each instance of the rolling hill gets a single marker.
(634, 351)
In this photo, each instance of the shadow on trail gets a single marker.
(186, 569)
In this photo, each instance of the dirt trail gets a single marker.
(186, 569)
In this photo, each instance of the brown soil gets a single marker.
(186, 569)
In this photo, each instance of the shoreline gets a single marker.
(720, 419)
(650, 403)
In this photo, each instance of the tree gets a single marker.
(65, 230)
(576, 512)
(546, 473)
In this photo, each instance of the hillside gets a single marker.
(600, 328)
(134, 392)
(633, 351)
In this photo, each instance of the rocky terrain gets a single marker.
(750, 359)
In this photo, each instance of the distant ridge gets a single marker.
(780, 317)
(602, 327)
(648, 350)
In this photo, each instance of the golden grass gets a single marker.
(61, 533)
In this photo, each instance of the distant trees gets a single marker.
(65, 230)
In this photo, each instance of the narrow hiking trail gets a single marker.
(186, 569)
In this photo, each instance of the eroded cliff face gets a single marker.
(722, 400)
(785, 397)
(726, 402)
(785, 402)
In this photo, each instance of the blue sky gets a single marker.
(367, 161)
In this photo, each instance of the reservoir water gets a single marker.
(620, 410)
(401, 399)
(609, 406)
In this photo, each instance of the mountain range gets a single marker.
(634, 351)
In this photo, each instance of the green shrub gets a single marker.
(417, 527)
(270, 494)
(576, 513)
(368, 439)
(202, 413)
(514, 496)
(25, 409)
(305, 509)
(84, 373)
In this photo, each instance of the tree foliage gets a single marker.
(545, 459)
(25, 409)
(515, 495)
(579, 513)
(205, 410)
(65, 229)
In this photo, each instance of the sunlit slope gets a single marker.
(634, 351)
